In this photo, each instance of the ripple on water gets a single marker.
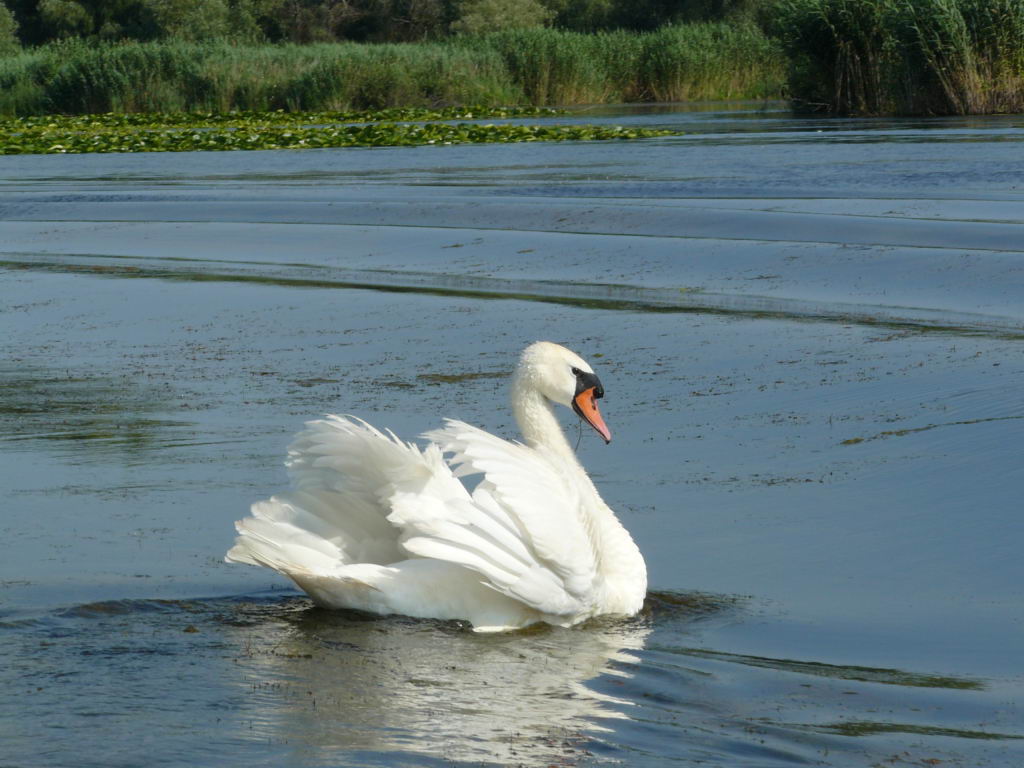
(276, 678)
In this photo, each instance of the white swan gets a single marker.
(377, 524)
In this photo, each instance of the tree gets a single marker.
(651, 14)
(478, 17)
(246, 18)
(582, 15)
(8, 32)
(105, 19)
(65, 18)
(383, 21)
(191, 19)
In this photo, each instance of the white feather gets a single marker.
(374, 523)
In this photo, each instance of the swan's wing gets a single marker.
(361, 496)
(343, 474)
(522, 528)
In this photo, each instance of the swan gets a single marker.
(376, 524)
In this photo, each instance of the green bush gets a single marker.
(481, 17)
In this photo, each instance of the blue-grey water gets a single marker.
(811, 335)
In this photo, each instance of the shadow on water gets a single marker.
(280, 680)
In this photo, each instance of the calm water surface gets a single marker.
(811, 334)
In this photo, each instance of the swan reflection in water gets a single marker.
(332, 685)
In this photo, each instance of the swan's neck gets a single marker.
(537, 421)
(624, 574)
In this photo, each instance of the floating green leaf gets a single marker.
(189, 132)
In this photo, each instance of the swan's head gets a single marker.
(565, 378)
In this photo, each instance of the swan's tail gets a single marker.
(419, 587)
(272, 538)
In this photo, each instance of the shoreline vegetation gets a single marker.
(844, 57)
(540, 67)
(904, 57)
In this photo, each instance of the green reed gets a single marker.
(677, 63)
(710, 61)
(905, 56)
(541, 66)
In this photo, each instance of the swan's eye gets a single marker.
(576, 372)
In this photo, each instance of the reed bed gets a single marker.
(79, 78)
(539, 67)
(905, 56)
(676, 63)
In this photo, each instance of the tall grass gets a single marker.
(678, 63)
(551, 67)
(710, 61)
(76, 78)
(905, 56)
(973, 51)
(539, 66)
(362, 76)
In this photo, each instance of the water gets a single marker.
(810, 333)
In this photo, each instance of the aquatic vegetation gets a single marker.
(926, 428)
(905, 56)
(280, 130)
(873, 727)
(711, 61)
(882, 676)
(843, 56)
(76, 77)
(243, 118)
(538, 66)
(674, 63)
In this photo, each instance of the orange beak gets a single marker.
(585, 404)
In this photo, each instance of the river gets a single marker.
(811, 337)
